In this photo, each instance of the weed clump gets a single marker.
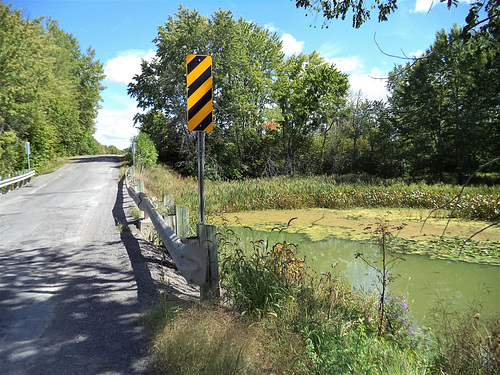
(337, 327)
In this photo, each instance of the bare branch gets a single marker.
(457, 198)
(387, 54)
(479, 231)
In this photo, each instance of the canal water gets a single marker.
(423, 281)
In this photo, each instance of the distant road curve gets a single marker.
(71, 286)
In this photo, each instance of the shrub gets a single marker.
(260, 283)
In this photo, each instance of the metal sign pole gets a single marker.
(201, 166)
(133, 154)
(28, 152)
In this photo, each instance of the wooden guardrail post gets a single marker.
(168, 204)
(207, 235)
(182, 221)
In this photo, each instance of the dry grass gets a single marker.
(208, 339)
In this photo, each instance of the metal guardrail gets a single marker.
(190, 259)
(16, 179)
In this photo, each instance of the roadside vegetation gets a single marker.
(333, 191)
(49, 93)
(279, 317)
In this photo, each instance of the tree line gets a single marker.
(278, 115)
(49, 92)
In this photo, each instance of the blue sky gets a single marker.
(121, 33)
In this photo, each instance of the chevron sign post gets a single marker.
(199, 112)
(200, 97)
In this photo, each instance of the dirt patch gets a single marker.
(319, 224)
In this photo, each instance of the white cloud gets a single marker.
(122, 69)
(291, 45)
(114, 123)
(346, 64)
(371, 84)
(115, 127)
(419, 53)
(424, 6)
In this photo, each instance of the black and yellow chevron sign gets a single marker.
(200, 93)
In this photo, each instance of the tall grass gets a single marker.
(336, 325)
(207, 340)
(280, 318)
(334, 192)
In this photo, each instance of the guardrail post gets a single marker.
(207, 235)
(7, 188)
(16, 184)
(182, 221)
(168, 204)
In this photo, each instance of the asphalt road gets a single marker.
(72, 287)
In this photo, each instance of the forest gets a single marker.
(277, 115)
(49, 92)
(273, 114)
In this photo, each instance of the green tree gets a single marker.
(446, 107)
(49, 89)
(356, 138)
(245, 58)
(146, 154)
(11, 153)
(305, 88)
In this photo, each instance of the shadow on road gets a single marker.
(73, 317)
(70, 309)
(99, 158)
(146, 286)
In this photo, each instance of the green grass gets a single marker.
(52, 166)
(334, 192)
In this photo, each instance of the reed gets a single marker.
(333, 192)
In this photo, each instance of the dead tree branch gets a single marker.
(457, 198)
